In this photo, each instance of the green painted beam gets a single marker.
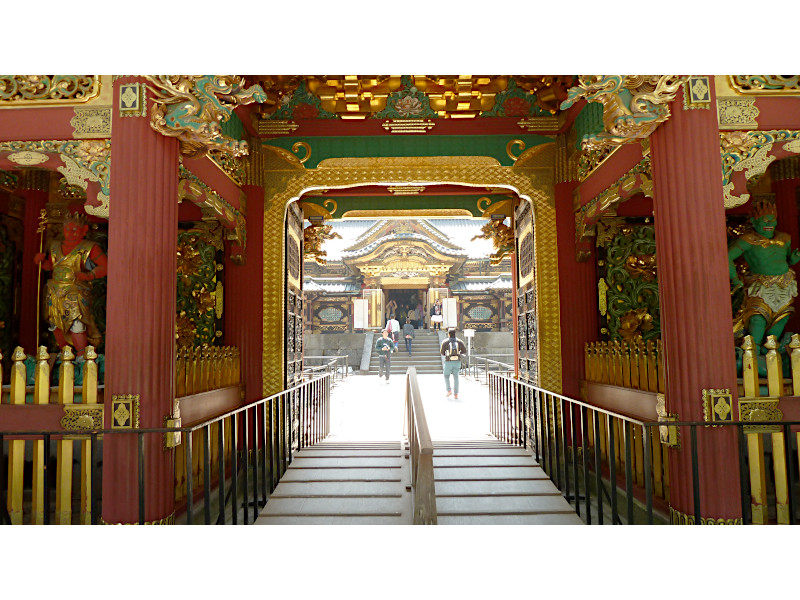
(348, 203)
(408, 145)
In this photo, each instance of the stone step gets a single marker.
(479, 474)
(518, 519)
(332, 520)
(514, 487)
(383, 507)
(497, 505)
(336, 489)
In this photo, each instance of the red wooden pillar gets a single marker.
(140, 321)
(35, 190)
(577, 290)
(244, 291)
(694, 292)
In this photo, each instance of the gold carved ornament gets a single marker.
(353, 96)
(461, 97)
(125, 411)
(717, 405)
(761, 409)
(191, 108)
(286, 180)
(633, 105)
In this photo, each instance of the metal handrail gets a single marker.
(421, 453)
(331, 366)
(262, 425)
(475, 359)
(557, 428)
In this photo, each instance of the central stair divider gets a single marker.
(421, 453)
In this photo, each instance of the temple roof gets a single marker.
(452, 237)
(482, 284)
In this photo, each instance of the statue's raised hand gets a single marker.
(795, 256)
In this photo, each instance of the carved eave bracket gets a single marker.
(747, 155)
(192, 108)
(636, 181)
(214, 207)
(84, 163)
(633, 105)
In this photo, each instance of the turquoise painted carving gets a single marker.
(193, 107)
(751, 153)
(301, 104)
(633, 105)
(83, 159)
(407, 103)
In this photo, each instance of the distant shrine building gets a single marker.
(375, 266)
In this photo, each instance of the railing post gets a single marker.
(64, 450)
(41, 396)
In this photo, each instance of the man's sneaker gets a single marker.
(447, 395)
(456, 396)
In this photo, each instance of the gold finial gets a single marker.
(771, 343)
(42, 353)
(90, 353)
(67, 353)
(747, 343)
(19, 354)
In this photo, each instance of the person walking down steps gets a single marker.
(408, 335)
(385, 347)
(452, 350)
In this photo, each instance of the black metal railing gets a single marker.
(480, 366)
(564, 433)
(254, 446)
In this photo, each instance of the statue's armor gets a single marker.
(770, 296)
(68, 300)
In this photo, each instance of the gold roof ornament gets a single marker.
(353, 96)
(462, 96)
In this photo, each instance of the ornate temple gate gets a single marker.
(531, 177)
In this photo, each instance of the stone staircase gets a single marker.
(424, 355)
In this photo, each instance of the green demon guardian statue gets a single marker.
(770, 287)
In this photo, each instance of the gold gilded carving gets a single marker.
(406, 190)
(191, 108)
(502, 237)
(717, 405)
(275, 127)
(461, 97)
(633, 105)
(43, 90)
(79, 417)
(285, 183)
(28, 158)
(408, 125)
(353, 96)
(297, 145)
(762, 409)
(125, 411)
(602, 303)
(679, 518)
(737, 113)
(530, 124)
(423, 212)
(509, 147)
(91, 123)
(313, 238)
(765, 84)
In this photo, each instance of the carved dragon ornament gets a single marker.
(633, 105)
(192, 108)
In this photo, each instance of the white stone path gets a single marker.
(365, 408)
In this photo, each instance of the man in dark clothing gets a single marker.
(408, 334)
(452, 349)
(385, 347)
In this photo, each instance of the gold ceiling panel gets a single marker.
(353, 96)
(462, 96)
